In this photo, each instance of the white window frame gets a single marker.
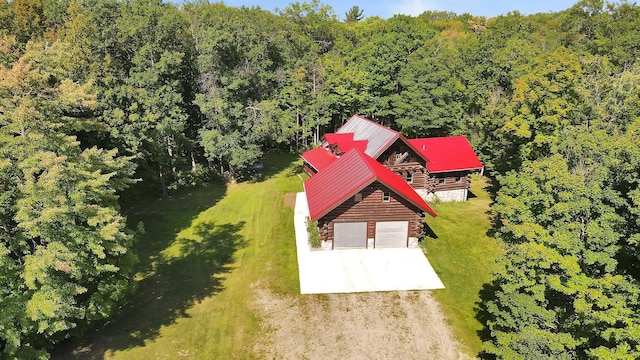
(409, 177)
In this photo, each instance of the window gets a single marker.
(386, 197)
(458, 179)
(409, 177)
(357, 197)
(440, 181)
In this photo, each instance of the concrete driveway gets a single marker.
(358, 270)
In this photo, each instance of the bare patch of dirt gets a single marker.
(382, 325)
(290, 200)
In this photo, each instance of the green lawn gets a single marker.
(200, 255)
(204, 250)
(463, 256)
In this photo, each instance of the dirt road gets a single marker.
(383, 325)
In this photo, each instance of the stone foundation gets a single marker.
(452, 195)
(327, 245)
(444, 196)
(413, 242)
(425, 194)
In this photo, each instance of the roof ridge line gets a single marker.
(366, 161)
(374, 122)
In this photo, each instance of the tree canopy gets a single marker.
(103, 100)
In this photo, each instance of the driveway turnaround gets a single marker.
(358, 270)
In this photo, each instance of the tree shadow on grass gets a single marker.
(487, 293)
(190, 270)
(284, 164)
(492, 189)
(163, 219)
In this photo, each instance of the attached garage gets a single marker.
(358, 203)
(391, 234)
(349, 235)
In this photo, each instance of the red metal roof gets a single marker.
(345, 141)
(451, 153)
(319, 158)
(348, 175)
(333, 138)
(355, 144)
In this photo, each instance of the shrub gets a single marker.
(314, 237)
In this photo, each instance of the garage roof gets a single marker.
(348, 175)
(450, 153)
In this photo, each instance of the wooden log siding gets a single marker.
(419, 172)
(308, 169)
(372, 209)
(449, 181)
(397, 151)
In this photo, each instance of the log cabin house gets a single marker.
(438, 167)
(369, 184)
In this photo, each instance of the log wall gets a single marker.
(388, 157)
(419, 172)
(308, 169)
(372, 209)
(450, 182)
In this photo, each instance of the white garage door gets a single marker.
(391, 234)
(349, 235)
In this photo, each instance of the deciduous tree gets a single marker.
(65, 258)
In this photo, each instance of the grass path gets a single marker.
(200, 256)
(463, 256)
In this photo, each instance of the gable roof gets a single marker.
(378, 137)
(319, 158)
(348, 175)
(450, 153)
(334, 138)
(345, 141)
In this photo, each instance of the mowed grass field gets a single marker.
(463, 256)
(204, 252)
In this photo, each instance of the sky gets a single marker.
(386, 9)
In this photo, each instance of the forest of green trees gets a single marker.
(100, 98)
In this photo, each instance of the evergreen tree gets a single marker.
(354, 14)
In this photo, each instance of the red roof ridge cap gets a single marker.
(366, 162)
